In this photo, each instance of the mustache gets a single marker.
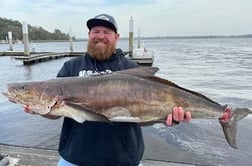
(100, 40)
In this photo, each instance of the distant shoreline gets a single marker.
(156, 37)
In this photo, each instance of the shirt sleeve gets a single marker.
(64, 71)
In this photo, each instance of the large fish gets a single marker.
(133, 95)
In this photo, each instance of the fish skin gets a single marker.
(133, 95)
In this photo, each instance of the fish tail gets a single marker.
(229, 123)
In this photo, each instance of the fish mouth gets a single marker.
(7, 94)
(13, 101)
(10, 96)
(35, 104)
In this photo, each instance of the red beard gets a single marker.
(98, 53)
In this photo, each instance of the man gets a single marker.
(96, 143)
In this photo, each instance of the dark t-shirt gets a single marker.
(97, 143)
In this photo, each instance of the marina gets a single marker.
(203, 51)
(141, 56)
(37, 57)
(225, 61)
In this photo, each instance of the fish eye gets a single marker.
(22, 87)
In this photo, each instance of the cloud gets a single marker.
(155, 17)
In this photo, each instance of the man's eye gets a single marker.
(108, 32)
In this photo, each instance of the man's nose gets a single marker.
(100, 35)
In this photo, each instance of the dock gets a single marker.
(142, 61)
(37, 57)
(142, 56)
(28, 156)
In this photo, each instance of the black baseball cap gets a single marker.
(102, 20)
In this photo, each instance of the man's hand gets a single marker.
(178, 115)
(27, 110)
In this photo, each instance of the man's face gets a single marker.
(102, 42)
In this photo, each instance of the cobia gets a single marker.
(133, 95)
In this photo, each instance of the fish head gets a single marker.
(36, 95)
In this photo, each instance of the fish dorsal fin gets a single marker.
(140, 71)
(90, 115)
(170, 83)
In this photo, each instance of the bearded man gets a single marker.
(97, 143)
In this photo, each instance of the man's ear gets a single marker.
(117, 36)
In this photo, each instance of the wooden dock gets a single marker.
(27, 156)
(142, 56)
(37, 57)
(142, 61)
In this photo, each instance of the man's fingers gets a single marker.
(178, 114)
(169, 120)
(27, 109)
(181, 114)
(188, 116)
(175, 113)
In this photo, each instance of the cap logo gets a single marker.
(102, 17)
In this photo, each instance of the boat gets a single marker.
(143, 56)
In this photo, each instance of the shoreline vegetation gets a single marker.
(156, 37)
(142, 38)
(35, 32)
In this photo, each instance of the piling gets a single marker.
(71, 41)
(131, 29)
(138, 38)
(10, 40)
(25, 38)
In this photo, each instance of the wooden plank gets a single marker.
(143, 61)
(42, 57)
(45, 56)
(34, 156)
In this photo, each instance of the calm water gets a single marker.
(220, 68)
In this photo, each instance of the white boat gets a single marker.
(143, 56)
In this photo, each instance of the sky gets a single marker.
(153, 17)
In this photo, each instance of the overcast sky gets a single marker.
(154, 17)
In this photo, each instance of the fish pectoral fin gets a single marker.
(88, 115)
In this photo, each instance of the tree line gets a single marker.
(35, 33)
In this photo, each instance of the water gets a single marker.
(220, 68)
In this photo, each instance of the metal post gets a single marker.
(10, 40)
(138, 39)
(25, 38)
(131, 29)
(71, 40)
